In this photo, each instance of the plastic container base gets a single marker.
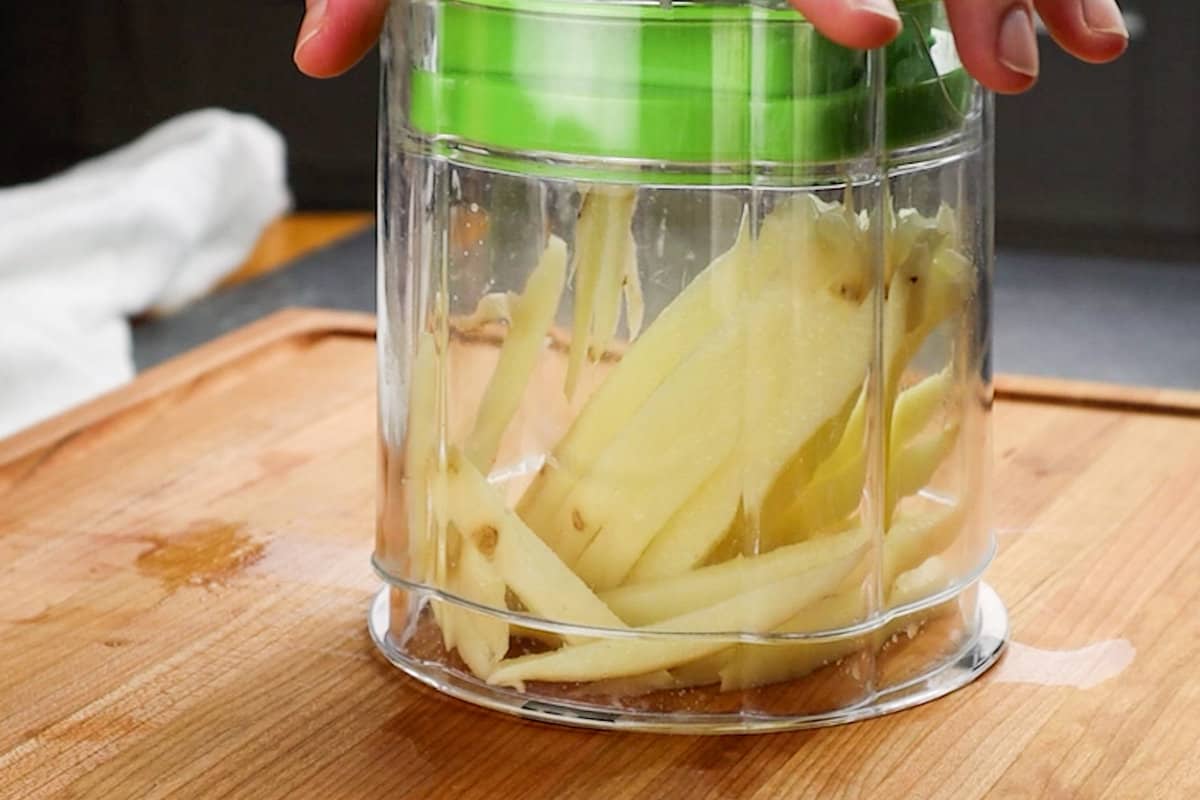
(972, 660)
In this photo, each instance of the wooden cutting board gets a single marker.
(184, 580)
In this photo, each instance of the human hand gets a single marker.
(996, 38)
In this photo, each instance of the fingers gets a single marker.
(1090, 30)
(861, 24)
(996, 41)
(335, 34)
(998, 44)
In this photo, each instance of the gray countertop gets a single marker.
(1099, 319)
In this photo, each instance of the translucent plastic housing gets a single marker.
(678, 444)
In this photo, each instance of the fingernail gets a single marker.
(314, 18)
(1017, 46)
(1103, 16)
(881, 8)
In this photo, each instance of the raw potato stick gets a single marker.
(763, 666)
(585, 273)
(695, 529)
(836, 489)
(668, 449)
(619, 259)
(677, 331)
(913, 467)
(837, 485)
(714, 297)
(603, 244)
(756, 611)
(535, 574)
(910, 542)
(651, 602)
(491, 308)
(656, 462)
(481, 640)
(532, 314)
(523, 563)
(831, 242)
(917, 405)
(799, 472)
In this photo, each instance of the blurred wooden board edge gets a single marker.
(302, 323)
(295, 235)
(293, 324)
(1089, 394)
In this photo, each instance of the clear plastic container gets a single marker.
(683, 364)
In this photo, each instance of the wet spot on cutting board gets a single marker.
(1079, 668)
(206, 554)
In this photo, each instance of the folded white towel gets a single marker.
(152, 225)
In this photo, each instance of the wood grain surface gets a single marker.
(184, 581)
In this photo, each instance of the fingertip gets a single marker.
(996, 42)
(1011, 83)
(336, 34)
(316, 59)
(1093, 48)
(1093, 31)
(857, 24)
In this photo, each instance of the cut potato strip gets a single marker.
(535, 574)
(836, 487)
(767, 664)
(913, 467)
(481, 640)
(666, 452)
(756, 611)
(656, 462)
(831, 497)
(492, 308)
(532, 314)
(746, 666)
(682, 327)
(912, 540)
(585, 274)
(648, 603)
(445, 619)
(917, 405)
(511, 556)
(799, 472)
(603, 244)
(695, 529)
(619, 259)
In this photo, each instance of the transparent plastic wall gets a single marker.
(682, 364)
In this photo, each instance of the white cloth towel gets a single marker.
(149, 226)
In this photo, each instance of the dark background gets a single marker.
(79, 77)
(1094, 160)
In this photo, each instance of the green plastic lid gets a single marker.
(684, 83)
